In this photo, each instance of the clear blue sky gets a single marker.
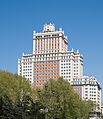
(83, 18)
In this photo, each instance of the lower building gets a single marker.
(88, 88)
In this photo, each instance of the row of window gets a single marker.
(77, 79)
(65, 73)
(46, 71)
(90, 88)
(55, 57)
(92, 82)
(77, 82)
(38, 84)
(27, 66)
(92, 92)
(65, 60)
(26, 69)
(66, 57)
(54, 35)
(65, 70)
(66, 64)
(47, 68)
(46, 74)
(27, 59)
(26, 75)
(66, 67)
(83, 82)
(27, 63)
(89, 79)
(75, 73)
(76, 86)
(50, 58)
(75, 67)
(40, 81)
(46, 77)
(92, 95)
(47, 55)
(66, 76)
(27, 72)
(46, 65)
(53, 51)
(77, 89)
(47, 62)
(46, 41)
(69, 70)
(93, 98)
(75, 70)
(84, 79)
(46, 46)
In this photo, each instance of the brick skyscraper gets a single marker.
(50, 58)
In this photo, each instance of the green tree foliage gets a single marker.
(17, 100)
(16, 95)
(18, 110)
(6, 111)
(64, 104)
(14, 86)
(36, 111)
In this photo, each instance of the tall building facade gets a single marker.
(50, 58)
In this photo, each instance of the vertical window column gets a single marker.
(60, 42)
(48, 44)
(37, 44)
(45, 43)
(54, 43)
(51, 43)
(40, 44)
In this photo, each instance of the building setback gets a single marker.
(51, 59)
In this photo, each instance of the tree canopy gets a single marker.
(14, 86)
(16, 94)
(17, 100)
(64, 104)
